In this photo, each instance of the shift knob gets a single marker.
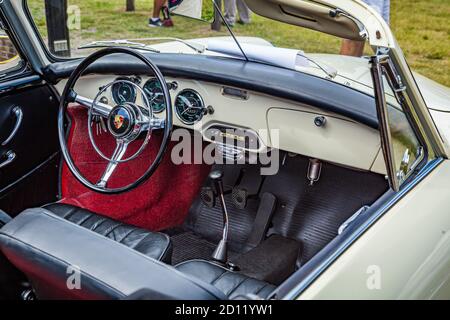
(216, 177)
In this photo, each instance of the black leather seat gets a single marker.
(49, 249)
(155, 245)
(232, 284)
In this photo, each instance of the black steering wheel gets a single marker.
(125, 122)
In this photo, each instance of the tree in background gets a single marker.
(130, 5)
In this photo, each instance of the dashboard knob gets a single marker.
(320, 121)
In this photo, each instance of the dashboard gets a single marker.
(271, 122)
(188, 104)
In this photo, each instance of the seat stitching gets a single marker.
(126, 235)
(140, 241)
(98, 224)
(219, 277)
(233, 290)
(113, 228)
(261, 289)
(166, 249)
(84, 220)
(70, 213)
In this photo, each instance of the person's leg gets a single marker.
(244, 11)
(230, 11)
(157, 5)
(155, 21)
(356, 48)
(167, 21)
(352, 48)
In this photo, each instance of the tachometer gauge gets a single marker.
(155, 95)
(189, 106)
(123, 92)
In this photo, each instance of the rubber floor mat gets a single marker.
(188, 246)
(265, 262)
(308, 214)
(273, 261)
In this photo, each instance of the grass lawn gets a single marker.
(422, 28)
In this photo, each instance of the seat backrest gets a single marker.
(65, 261)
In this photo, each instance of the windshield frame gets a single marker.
(50, 56)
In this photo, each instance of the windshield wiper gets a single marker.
(197, 47)
(118, 43)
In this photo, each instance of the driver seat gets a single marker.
(155, 245)
(70, 253)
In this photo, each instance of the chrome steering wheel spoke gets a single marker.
(103, 110)
(119, 152)
(99, 108)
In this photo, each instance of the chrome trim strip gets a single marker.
(342, 246)
(10, 157)
(18, 113)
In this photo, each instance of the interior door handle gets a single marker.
(10, 157)
(18, 113)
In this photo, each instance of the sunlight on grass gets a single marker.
(421, 26)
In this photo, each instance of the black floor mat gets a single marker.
(272, 261)
(267, 262)
(309, 214)
(188, 246)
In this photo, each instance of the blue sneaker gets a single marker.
(155, 23)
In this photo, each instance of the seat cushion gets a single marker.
(232, 284)
(152, 244)
(50, 251)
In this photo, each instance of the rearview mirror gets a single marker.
(194, 9)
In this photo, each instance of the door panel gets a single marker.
(31, 178)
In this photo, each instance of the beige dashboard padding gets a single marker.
(308, 14)
(340, 141)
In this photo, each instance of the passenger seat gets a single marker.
(232, 284)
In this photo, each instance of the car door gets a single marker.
(29, 149)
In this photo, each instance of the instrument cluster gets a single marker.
(189, 105)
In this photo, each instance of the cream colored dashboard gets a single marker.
(280, 124)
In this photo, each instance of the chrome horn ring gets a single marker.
(129, 128)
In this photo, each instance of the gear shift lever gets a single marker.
(221, 252)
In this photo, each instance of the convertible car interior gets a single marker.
(170, 235)
(150, 175)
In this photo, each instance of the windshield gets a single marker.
(65, 26)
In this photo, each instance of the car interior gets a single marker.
(169, 236)
(153, 175)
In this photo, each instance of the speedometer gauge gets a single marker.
(123, 92)
(189, 106)
(155, 95)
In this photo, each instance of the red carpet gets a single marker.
(161, 202)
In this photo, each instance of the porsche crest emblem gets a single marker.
(118, 121)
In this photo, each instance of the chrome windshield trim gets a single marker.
(318, 267)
